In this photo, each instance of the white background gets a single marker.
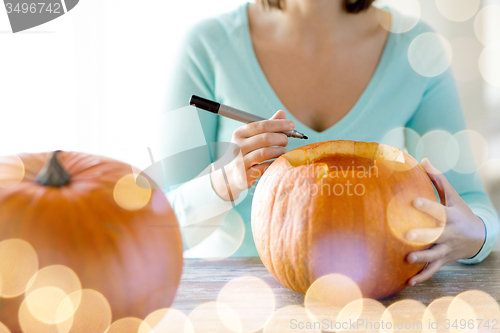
(94, 79)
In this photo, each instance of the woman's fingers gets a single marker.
(263, 154)
(280, 114)
(434, 209)
(424, 235)
(436, 252)
(257, 171)
(263, 140)
(444, 188)
(426, 273)
(275, 124)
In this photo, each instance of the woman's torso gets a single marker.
(228, 70)
(319, 84)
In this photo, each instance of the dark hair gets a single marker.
(350, 6)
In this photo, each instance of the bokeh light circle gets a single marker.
(371, 313)
(440, 147)
(18, 265)
(129, 195)
(45, 305)
(435, 315)
(328, 296)
(4, 329)
(401, 205)
(166, 321)
(465, 62)
(489, 65)
(487, 25)
(458, 10)
(251, 298)
(402, 17)
(473, 306)
(215, 238)
(487, 174)
(92, 315)
(401, 137)
(62, 278)
(458, 310)
(31, 324)
(281, 321)
(59, 276)
(473, 151)
(390, 159)
(211, 317)
(125, 325)
(430, 54)
(11, 171)
(404, 316)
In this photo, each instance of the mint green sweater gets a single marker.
(217, 61)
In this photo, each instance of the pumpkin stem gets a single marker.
(53, 173)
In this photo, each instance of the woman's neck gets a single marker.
(316, 22)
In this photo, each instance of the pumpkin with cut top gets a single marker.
(341, 207)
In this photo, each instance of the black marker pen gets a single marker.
(235, 114)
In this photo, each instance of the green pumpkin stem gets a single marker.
(53, 173)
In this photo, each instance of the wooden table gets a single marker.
(202, 280)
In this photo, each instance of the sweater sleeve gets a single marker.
(438, 117)
(194, 201)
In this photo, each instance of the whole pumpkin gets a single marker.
(341, 207)
(66, 206)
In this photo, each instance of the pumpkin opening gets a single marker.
(342, 151)
(336, 158)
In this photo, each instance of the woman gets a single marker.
(338, 75)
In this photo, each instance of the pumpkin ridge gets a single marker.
(302, 256)
(289, 216)
(299, 228)
(279, 246)
(268, 227)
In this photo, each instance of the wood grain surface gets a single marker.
(202, 280)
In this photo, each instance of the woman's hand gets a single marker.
(258, 142)
(463, 234)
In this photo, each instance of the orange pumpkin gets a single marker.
(341, 207)
(66, 205)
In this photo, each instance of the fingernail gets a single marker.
(411, 236)
(418, 203)
(412, 283)
(291, 124)
(412, 259)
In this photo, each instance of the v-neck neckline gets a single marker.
(268, 91)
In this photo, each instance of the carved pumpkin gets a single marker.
(341, 207)
(82, 211)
